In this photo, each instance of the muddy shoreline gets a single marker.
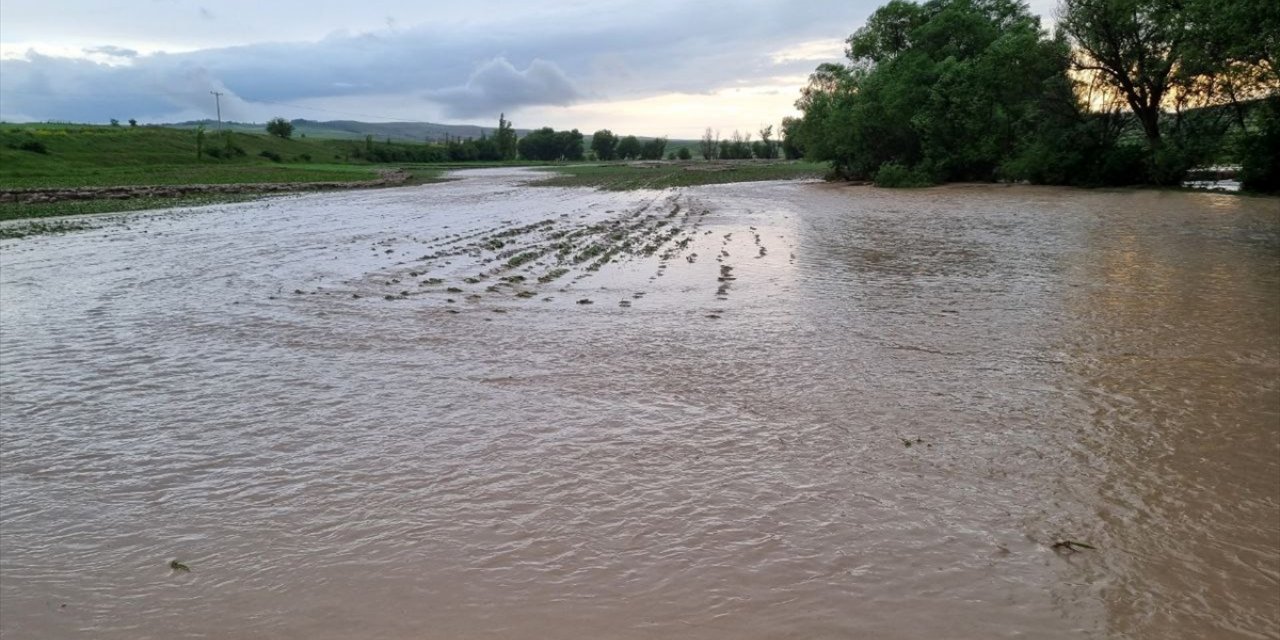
(390, 178)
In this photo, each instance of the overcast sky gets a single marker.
(653, 67)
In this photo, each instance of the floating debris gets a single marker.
(178, 566)
(1071, 546)
(585, 301)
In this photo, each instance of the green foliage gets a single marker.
(604, 144)
(766, 148)
(547, 144)
(133, 122)
(709, 145)
(504, 140)
(684, 154)
(280, 128)
(271, 155)
(954, 90)
(653, 149)
(791, 146)
(737, 147)
(629, 148)
(34, 146)
(894, 175)
(942, 91)
(1259, 151)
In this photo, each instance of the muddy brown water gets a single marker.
(287, 397)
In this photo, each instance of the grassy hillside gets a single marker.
(409, 132)
(41, 156)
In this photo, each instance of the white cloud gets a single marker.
(813, 51)
(497, 85)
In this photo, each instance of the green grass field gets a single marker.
(82, 156)
(624, 177)
(71, 156)
(66, 156)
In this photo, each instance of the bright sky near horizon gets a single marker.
(658, 67)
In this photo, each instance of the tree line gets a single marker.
(1122, 92)
(545, 144)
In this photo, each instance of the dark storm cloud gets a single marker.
(608, 51)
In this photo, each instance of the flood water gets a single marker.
(790, 410)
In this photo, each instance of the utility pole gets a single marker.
(217, 102)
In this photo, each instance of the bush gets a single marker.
(34, 146)
(225, 153)
(896, 176)
(271, 155)
(684, 154)
(280, 127)
(1259, 151)
(1124, 164)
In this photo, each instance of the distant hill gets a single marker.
(355, 130)
(396, 131)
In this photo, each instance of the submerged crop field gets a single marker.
(734, 410)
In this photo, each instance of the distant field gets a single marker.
(67, 156)
(624, 177)
(81, 156)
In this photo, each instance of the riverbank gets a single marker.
(628, 176)
(19, 204)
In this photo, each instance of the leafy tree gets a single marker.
(684, 154)
(570, 143)
(504, 139)
(115, 123)
(736, 147)
(791, 148)
(629, 148)
(605, 144)
(709, 145)
(766, 148)
(653, 149)
(1260, 150)
(1166, 60)
(549, 144)
(946, 90)
(280, 128)
(133, 122)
